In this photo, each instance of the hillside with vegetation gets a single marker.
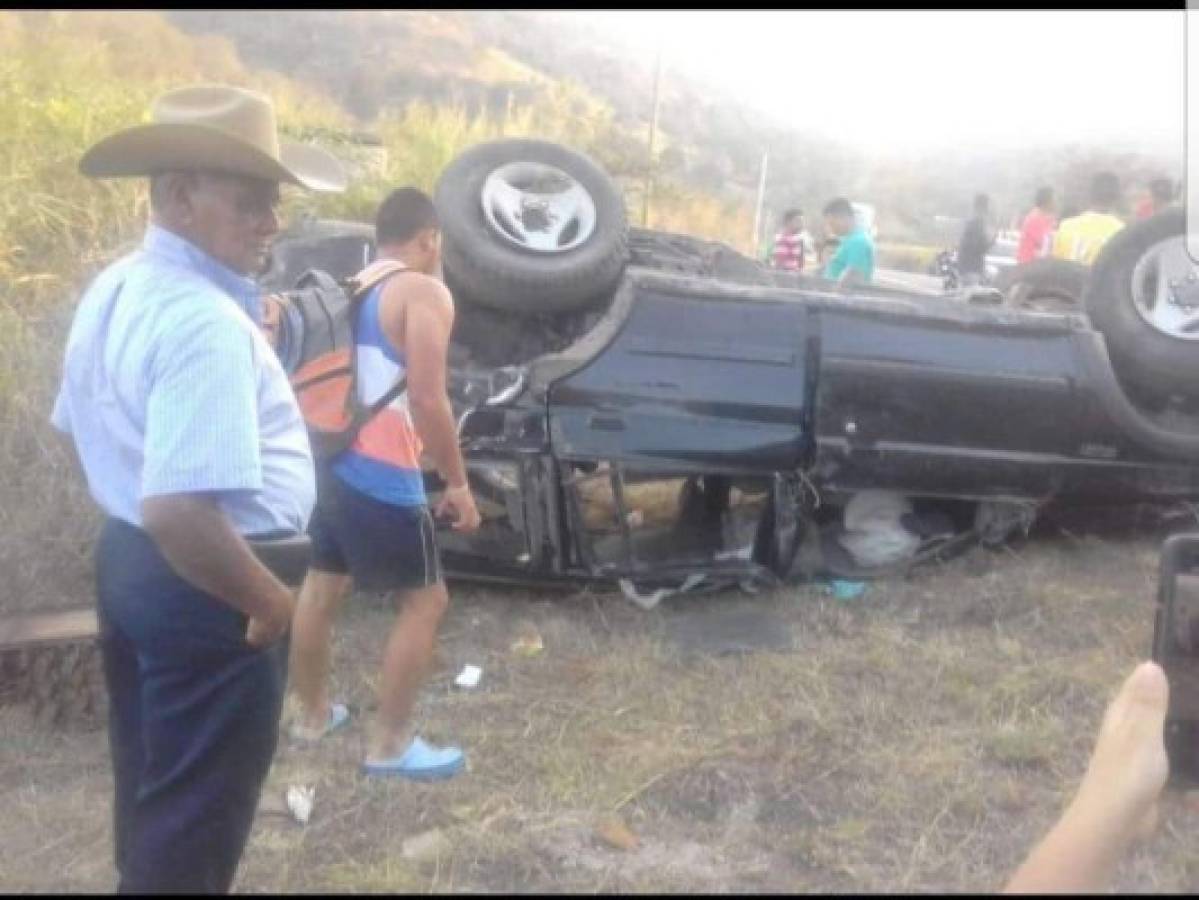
(67, 79)
(426, 85)
(710, 144)
(919, 737)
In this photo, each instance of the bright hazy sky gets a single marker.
(905, 81)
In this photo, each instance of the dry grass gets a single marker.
(66, 79)
(920, 738)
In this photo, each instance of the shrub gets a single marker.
(67, 79)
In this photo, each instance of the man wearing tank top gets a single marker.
(372, 522)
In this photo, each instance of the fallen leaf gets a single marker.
(616, 834)
(528, 641)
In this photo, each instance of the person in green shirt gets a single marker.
(853, 263)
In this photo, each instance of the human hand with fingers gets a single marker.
(1117, 800)
(458, 504)
(1129, 766)
(264, 629)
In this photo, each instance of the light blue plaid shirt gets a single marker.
(169, 387)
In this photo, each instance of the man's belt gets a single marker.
(288, 557)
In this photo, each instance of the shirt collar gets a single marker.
(167, 245)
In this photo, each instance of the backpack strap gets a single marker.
(373, 275)
(358, 287)
(316, 278)
(366, 413)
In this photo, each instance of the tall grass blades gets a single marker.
(69, 78)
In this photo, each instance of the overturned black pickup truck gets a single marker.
(662, 412)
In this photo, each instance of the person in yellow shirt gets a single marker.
(1081, 237)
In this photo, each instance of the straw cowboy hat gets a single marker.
(212, 128)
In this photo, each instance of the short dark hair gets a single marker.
(792, 213)
(1105, 189)
(1162, 189)
(405, 213)
(1044, 196)
(838, 206)
(981, 201)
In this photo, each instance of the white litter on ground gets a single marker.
(469, 677)
(649, 601)
(299, 801)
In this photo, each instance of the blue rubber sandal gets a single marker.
(339, 715)
(420, 762)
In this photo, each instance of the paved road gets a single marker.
(909, 281)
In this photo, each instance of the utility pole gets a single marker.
(761, 198)
(653, 139)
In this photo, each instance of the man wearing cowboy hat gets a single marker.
(193, 446)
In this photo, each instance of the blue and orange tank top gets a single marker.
(384, 460)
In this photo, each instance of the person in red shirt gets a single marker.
(1161, 195)
(791, 246)
(1036, 231)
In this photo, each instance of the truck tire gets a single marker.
(1056, 283)
(1125, 276)
(513, 243)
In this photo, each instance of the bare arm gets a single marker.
(420, 322)
(203, 548)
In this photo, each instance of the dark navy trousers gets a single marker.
(193, 720)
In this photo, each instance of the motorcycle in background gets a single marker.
(946, 266)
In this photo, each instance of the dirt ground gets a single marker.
(918, 738)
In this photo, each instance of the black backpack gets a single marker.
(316, 347)
(314, 319)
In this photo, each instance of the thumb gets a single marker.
(1148, 689)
